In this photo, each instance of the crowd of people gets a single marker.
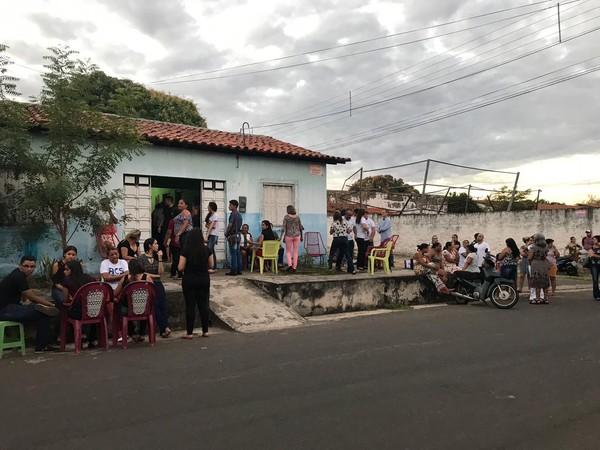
(193, 258)
(535, 261)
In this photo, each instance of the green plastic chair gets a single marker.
(270, 252)
(19, 343)
(381, 254)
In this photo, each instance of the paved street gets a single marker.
(457, 377)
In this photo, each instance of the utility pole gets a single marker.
(350, 101)
(467, 202)
(514, 192)
(360, 190)
(537, 200)
(559, 30)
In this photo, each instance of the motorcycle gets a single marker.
(487, 285)
(566, 265)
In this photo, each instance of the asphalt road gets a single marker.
(456, 377)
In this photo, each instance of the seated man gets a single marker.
(15, 288)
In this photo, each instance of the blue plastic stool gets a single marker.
(19, 343)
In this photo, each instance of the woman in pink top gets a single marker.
(292, 230)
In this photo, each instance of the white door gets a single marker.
(214, 191)
(137, 204)
(276, 199)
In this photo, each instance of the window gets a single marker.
(276, 199)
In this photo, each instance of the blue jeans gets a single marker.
(160, 306)
(595, 269)
(235, 256)
(27, 313)
(211, 244)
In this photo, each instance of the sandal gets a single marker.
(533, 302)
(187, 336)
(166, 333)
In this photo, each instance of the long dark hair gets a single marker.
(337, 216)
(268, 224)
(448, 245)
(510, 243)
(195, 250)
(69, 248)
(148, 244)
(213, 209)
(359, 215)
(77, 276)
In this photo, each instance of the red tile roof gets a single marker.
(173, 134)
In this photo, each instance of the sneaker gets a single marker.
(50, 311)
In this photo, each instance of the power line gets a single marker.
(416, 122)
(348, 55)
(444, 83)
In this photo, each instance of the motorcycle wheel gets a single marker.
(504, 296)
(572, 271)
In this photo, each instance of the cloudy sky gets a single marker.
(550, 135)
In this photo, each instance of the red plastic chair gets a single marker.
(314, 245)
(93, 298)
(139, 296)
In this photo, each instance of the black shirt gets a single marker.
(196, 264)
(12, 287)
(59, 276)
(125, 244)
(269, 235)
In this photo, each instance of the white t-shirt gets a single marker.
(482, 249)
(114, 269)
(473, 266)
(372, 226)
(349, 224)
(462, 255)
(216, 221)
(361, 233)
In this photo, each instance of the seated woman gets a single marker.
(129, 248)
(58, 273)
(267, 234)
(436, 257)
(245, 245)
(136, 273)
(74, 278)
(450, 255)
(152, 264)
(509, 258)
(425, 267)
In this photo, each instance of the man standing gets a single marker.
(13, 289)
(233, 238)
(384, 228)
(482, 248)
(350, 223)
(588, 240)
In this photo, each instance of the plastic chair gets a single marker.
(270, 252)
(93, 299)
(18, 343)
(381, 254)
(139, 296)
(314, 246)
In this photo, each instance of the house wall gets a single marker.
(244, 177)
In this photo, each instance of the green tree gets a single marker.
(501, 200)
(124, 97)
(67, 179)
(382, 183)
(457, 203)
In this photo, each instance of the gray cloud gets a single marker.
(55, 27)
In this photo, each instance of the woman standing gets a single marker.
(539, 266)
(212, 231)
(177, 231)
(152, 264)
(129, 248)
(524, 265)
(58, 273)
(292, 233)
(194, 262)
(594, 257)
(340, 239)
(553, 255)
(509, 257)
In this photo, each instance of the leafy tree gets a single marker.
(501, 199)
(457, 202)
(124, 97)
(67, 179)
(382, 183)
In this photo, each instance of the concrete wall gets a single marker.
(244, 177)
(559, 225)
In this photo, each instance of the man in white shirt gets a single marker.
(482, 248)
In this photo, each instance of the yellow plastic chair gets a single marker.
(270, 252)
(383, 255)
